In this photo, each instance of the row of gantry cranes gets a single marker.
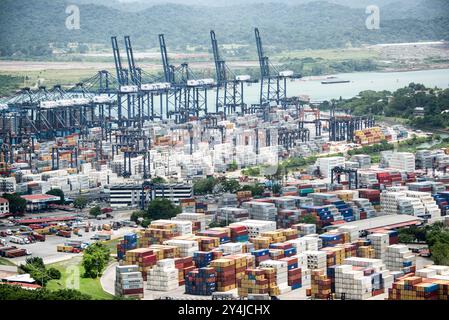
(121, 103)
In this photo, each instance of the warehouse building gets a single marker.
(173, 192)
(389, 222)
(124, 195)
(39, 202)
(4, 206)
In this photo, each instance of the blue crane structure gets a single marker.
(273, 83)
(188, 97)
(230, 88)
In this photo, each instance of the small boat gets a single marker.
(334, 81)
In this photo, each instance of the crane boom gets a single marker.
(131, 62)
(167, 68)
(263, 60)
(220, 65)
(118, 62)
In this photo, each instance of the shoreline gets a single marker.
(399, 70)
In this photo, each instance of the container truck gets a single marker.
(3, 250)
(17, 240)
(65, 234)
(39, 237)
(101, 237)
(15, 253)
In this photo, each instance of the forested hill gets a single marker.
(29, 24)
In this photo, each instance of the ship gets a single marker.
(334, 80)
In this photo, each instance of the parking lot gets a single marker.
(47, 250)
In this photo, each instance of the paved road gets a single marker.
(108, 278)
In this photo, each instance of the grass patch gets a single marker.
(112, 244)
(49, 77)
(88, 286)
(330, 54)
(6, 262)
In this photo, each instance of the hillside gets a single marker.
(28, 26)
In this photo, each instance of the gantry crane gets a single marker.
(273, 83)
(230, 93)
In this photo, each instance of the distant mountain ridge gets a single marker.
(26, 24)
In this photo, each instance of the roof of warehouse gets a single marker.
(40, 197)
(384, 221)
(44, 220)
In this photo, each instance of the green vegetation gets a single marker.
(215, 224)
(111, 244)
(251, 172)
(402, 104)
(212, 185)
(137, 214)
(9, 83)
(95, 259)
(80, 202)
(315, 67)
(315, 25)
(311, 220)
(233, 166)
(411, 145)
(158, 180)
(8, 292)
(72, 271)
(48, 77)
(256, 189)
(17, 205)
(95, 211)
(276, 188)
(436, 236)
(36, 268)
(162, 208)
(204, 186)
(157, 209)
(372, 149)
(230, 185)
(58, 193)
(6, 262)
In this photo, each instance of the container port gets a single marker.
(198, 198)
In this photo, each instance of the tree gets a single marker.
(95, 258)
(9, 292)
(57, 193)
(406, 238)
(161, 208)
(17, 205)
(276, 188)
(231, 185)
(136, 215)
(80, 202)
(158, 180)
(95, 211)
(145, 222)
(256, 189)
(54, 273)
(233, 166)
(36, 268)
(204, 186)
(440, 253)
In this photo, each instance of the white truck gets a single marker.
(101, 237)
(17, 240)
